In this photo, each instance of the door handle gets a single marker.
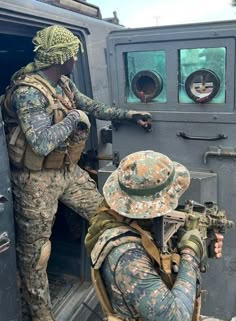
(185, 136)
(4, 242)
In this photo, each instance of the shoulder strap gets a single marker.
(163, 260)
(103, 298)
(65, 88)
(197, 310)
(101, 291)
(64, 82)
(32, 81)
(52, 95)
(42, 81)
(147, 243)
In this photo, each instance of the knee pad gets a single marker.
(44, 255)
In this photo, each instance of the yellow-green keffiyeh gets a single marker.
(53, 45)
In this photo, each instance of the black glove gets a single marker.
(139, 115)
(142, 118)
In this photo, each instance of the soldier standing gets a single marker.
(132, 279)
(47, 127)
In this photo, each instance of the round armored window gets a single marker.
(202, 85)
(147, 85)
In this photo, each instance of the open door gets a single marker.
(9, 296)
(68, 270)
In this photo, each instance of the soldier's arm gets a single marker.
(144, 291)
(97, 109)
(30, 106)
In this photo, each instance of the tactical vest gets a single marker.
(20, 153)
(124, 234)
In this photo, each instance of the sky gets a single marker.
(147, 13)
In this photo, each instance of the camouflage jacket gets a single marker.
(44, 136)
(133, 284)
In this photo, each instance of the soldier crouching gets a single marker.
(132, 278)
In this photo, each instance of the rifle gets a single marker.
(207, 218)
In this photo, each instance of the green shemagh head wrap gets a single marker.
(53, 45)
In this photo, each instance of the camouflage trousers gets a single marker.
(36, 196)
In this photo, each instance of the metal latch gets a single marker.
(219, 151)
(106, 135)
(4, 242)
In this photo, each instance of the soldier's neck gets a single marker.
(52, 74)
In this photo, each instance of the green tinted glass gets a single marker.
(145, 76)
(202, 75)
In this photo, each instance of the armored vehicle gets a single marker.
(184, 76)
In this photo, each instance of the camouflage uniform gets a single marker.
(137, 291)
(37, 191)
(145, 185)
(36, 194)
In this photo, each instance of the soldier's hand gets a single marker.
(84, 122)
(218, 245)
(192, 239)
(142, 118)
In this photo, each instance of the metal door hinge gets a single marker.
(4, 242)
(3, 199)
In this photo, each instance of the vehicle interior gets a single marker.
(68, 268)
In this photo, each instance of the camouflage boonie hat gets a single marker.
(146, 184)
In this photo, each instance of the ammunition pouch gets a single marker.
(22, 156)
(74, 151)
(54, 160)
(16, 143)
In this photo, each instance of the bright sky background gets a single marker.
(146, 13)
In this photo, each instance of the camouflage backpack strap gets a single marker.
(103, 298)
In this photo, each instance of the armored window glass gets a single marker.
(202, 75)
(145, 76)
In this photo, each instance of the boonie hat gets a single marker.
(146, 184)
